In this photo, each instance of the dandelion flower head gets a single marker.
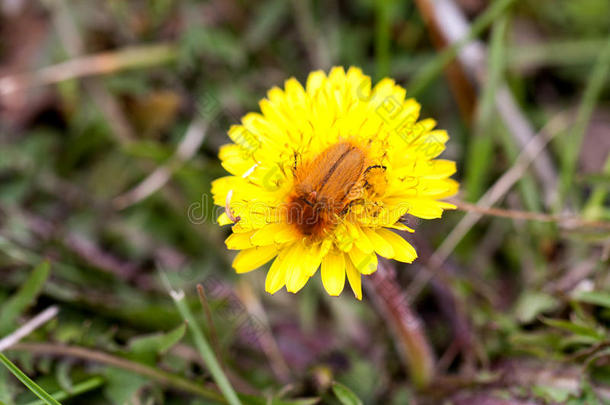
(323, 177)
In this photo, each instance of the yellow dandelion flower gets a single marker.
(322, 177)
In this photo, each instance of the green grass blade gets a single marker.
(554, 53)
(599, 298)
(27, 381)
(382, 37)
(571, 148)
(345, 395)
(433, 68)
(23, 298)
(205, 350)
(78, 389)
(481, 145)
(594, 206)
(527, 186)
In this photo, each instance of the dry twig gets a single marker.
(90, 65)
(29, 327)
(492, 196)
(455, 26)
(187, 148)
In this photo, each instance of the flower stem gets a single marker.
(409, 336)
(204, 348)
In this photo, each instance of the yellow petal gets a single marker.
(220, 188)
(440, 168)
(337, 76)
(271, 233)
(245, 138)
(354, 278)
(312, 259)
(436, 188)
(223, 219)
(250, 259)
(333, 272)
(359, 83)
(302, 263)
(297, 281)
(427, 209)
(295, 276)
(286, 234)
(239, 241)
(361, 240)
(294, 91)
(401, 227)
(403, 251)
(314, 81)
(365, 263)
(426, 169)
(235, 158)
(383, 247)
(276, 276)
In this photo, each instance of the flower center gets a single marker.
(324, 187)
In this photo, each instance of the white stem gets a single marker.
(29, 327)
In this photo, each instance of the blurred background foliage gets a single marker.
(517, 314)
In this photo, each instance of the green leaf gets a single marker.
(27, 381)
(146, 348)
(552, 394)
(345, 395)
(214, 43)
(25, 297)
(171, 338)
(598, 298)
(63, 376)
(575, 341)
(578, 329)
(254, 400)
(121, 385)
(533, 303)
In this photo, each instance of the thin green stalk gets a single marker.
(594, 206)
(205, 349)
(571, 148)
(382, 37)
(527, 185)
(433, 68)
(162, 377)
(78, 389)
(25, 296)
(554, 53)
(481, 144)
(27, 381)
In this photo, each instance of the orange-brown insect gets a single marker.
(325, 186)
